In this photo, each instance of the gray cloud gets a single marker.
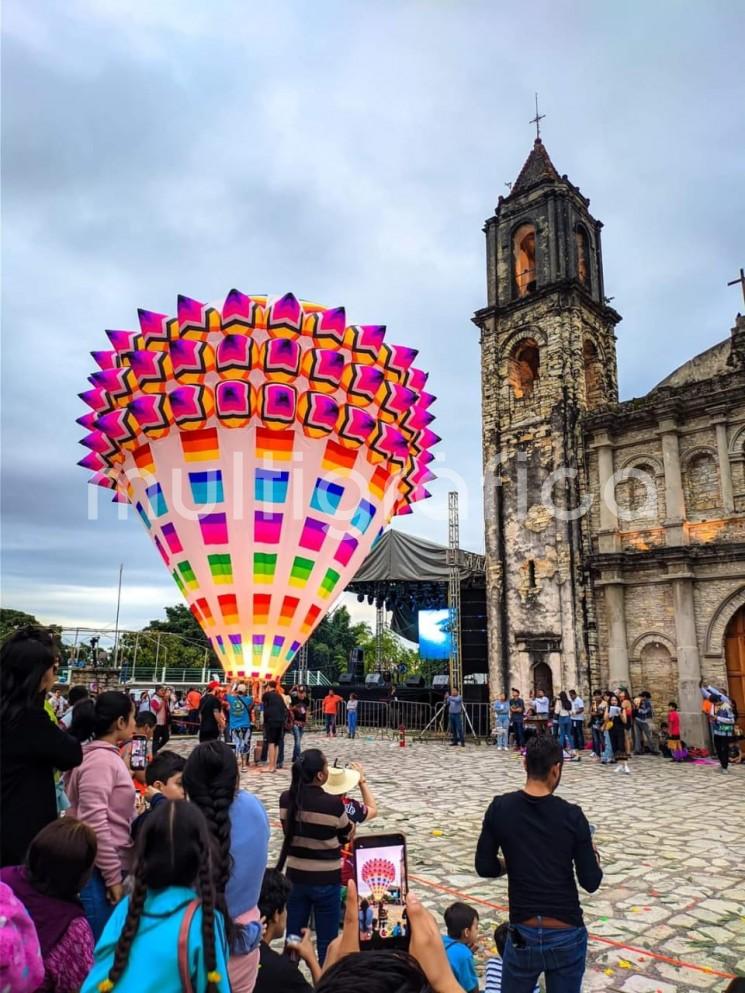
(349, 152)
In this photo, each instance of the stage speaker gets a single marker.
(357, 664)
(346, 679)
(441, 682)
(374, 679)
(415, 683)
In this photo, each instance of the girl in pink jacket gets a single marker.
(102, 795)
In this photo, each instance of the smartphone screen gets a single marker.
(382, 884)
(138, 752)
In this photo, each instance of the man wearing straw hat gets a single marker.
(341, 782)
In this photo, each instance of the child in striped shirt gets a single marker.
(494, 964)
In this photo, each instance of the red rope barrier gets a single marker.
(679, 963)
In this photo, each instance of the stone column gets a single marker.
(608, 537)
(692, 721)
(675, 533)
(618, 653)
(725, 471)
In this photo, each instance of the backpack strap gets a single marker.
(183, 947)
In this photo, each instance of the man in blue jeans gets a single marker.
(544, 840)
(517, 717)
(455, 714)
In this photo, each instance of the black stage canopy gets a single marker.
(408, 574)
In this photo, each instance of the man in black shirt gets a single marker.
(279, 973)
(544, 840)
(517, 717)
(275, 716)
(211, 716)
(299, 705)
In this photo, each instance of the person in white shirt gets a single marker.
(578, 720)
(76, 694)
(58, 703)
(541, 704)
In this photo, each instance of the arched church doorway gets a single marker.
(734, 653)
(543, 678)
(658, 674)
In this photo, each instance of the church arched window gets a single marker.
(636, 497)
(524, 367)
(593, 374)
(523, 259)
(582, 246)
(701, 477)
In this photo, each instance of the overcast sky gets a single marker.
(348, 152)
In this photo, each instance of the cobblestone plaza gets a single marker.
(669, 916)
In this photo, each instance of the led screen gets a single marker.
(434, 634)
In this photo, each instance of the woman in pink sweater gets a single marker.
(102, 795)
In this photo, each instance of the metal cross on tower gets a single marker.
(456, 665)
(741, 281)
(537, 120)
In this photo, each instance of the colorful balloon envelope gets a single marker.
(264, 447)
(380, 875)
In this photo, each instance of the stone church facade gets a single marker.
(615, 530)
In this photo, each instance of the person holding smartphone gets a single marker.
(423, 967)
(617, 720)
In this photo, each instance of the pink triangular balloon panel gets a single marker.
(264, 449)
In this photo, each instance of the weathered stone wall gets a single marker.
(633, 586)
(706, 549)
(531, 437)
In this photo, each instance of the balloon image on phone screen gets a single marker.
(138, 752)
(382, 884)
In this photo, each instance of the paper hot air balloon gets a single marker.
(380, 875)
(264, 447)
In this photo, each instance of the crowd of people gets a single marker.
(127, 867)
(619, 725)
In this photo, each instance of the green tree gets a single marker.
(176, 641)
(331, 644)
(12, 620)
(396, 653)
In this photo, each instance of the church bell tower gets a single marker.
(547, 357)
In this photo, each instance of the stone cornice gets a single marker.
(573, 286)
(720, 393)
(683, 557)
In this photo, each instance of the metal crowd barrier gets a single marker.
(423, 720)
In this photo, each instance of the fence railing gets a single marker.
(311, 677)
(149, 674)
(421, 719)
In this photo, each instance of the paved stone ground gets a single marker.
(669, 916)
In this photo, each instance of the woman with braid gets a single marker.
(168, 937)
(316, 827)
(240, 827)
